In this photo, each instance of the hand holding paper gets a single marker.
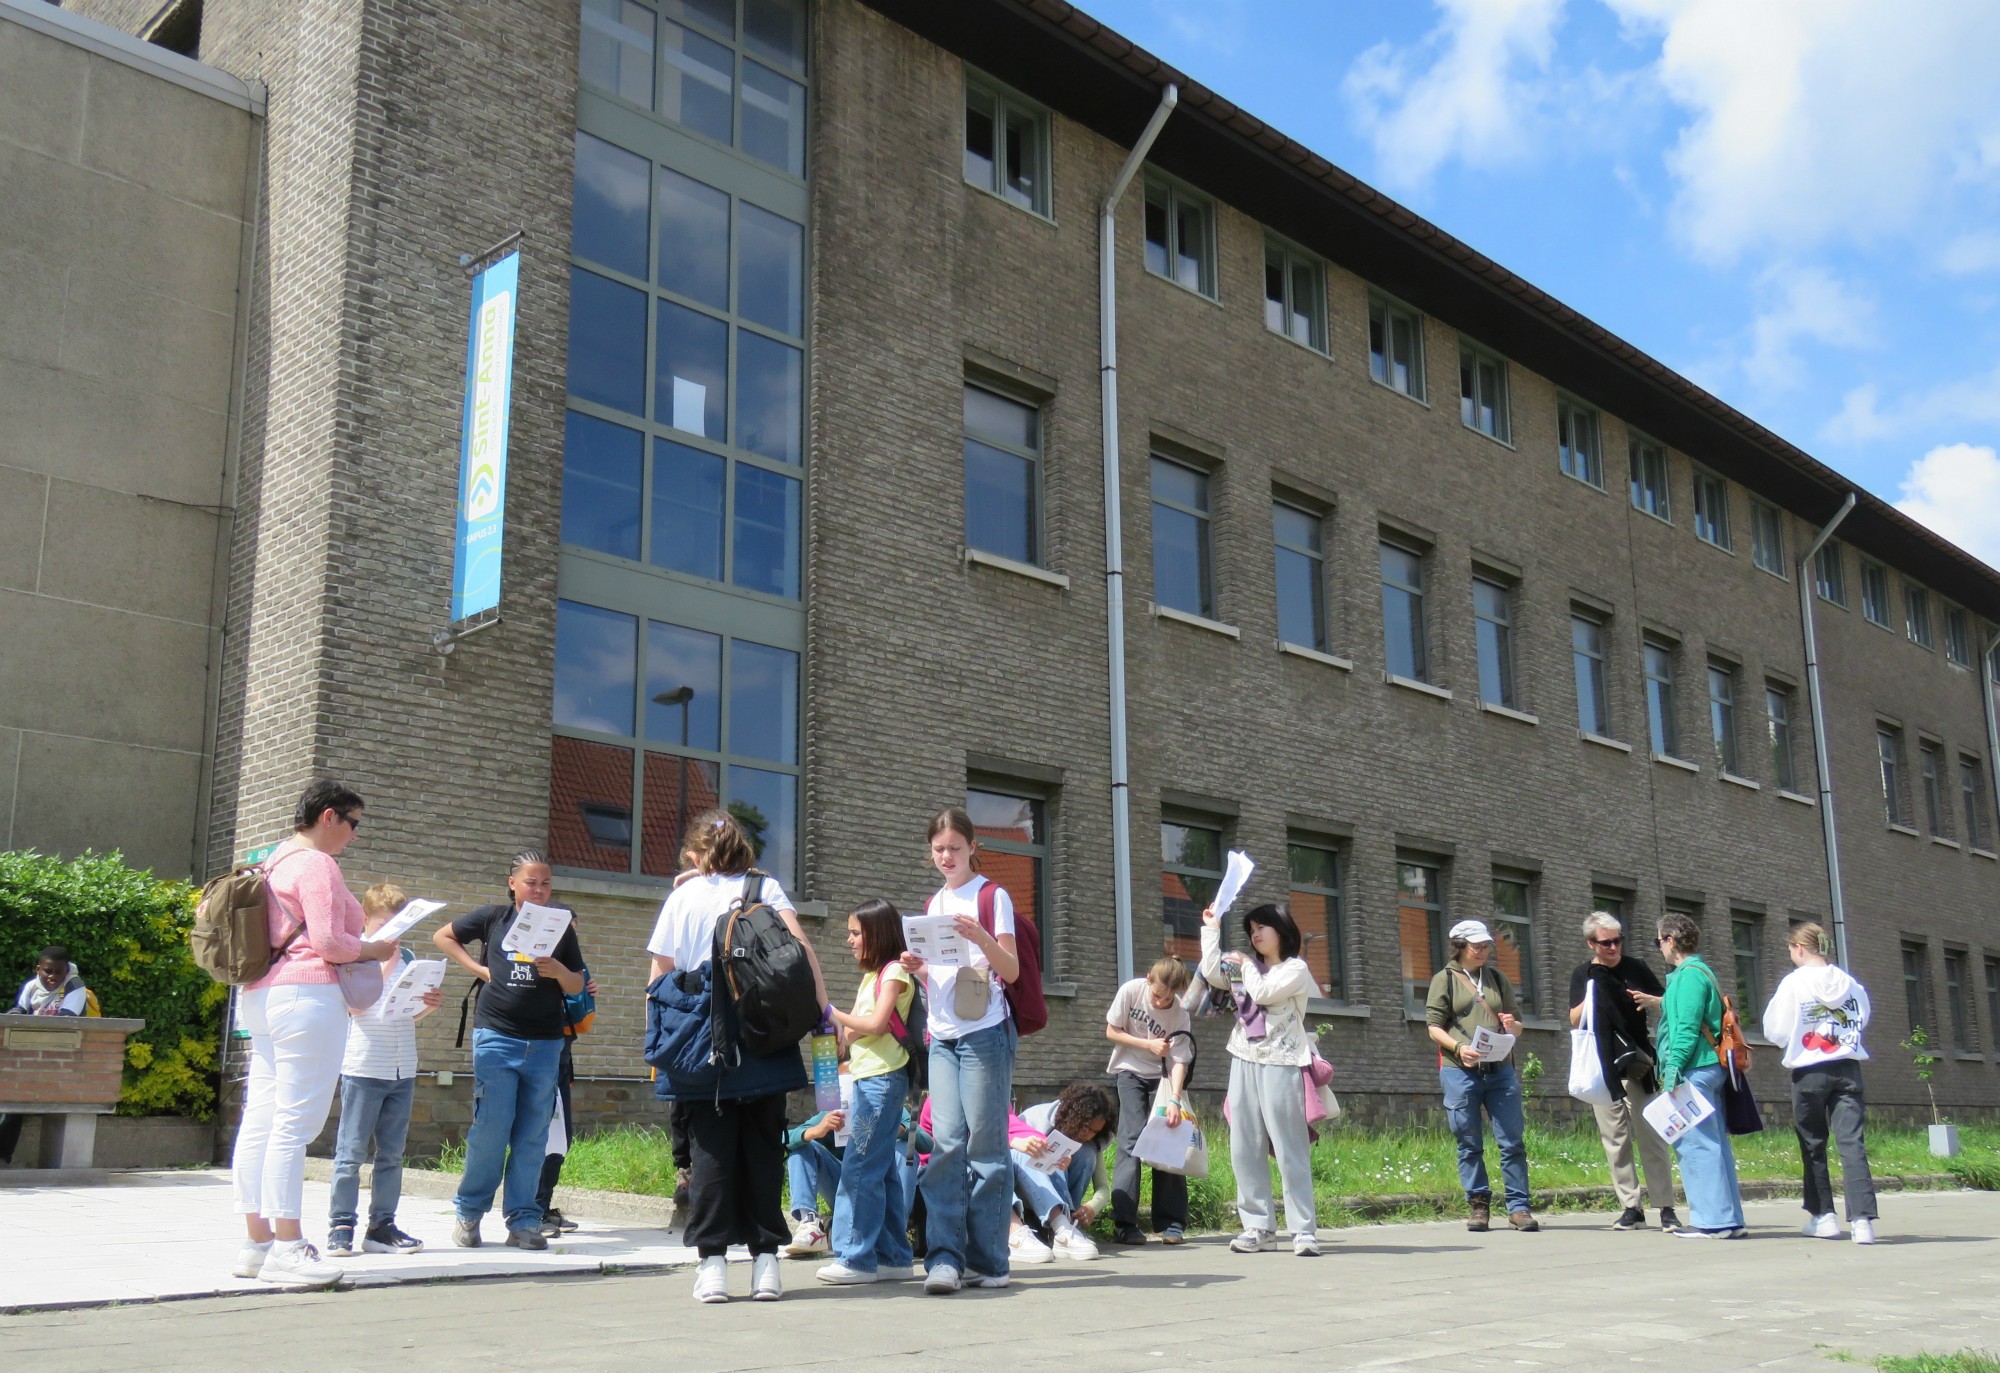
(1056, 1152)
(1673, 1114)
(413, 914)
(936, 940)
(1492, 1047)
(405, 996)
(536, 930)
(1234, 877)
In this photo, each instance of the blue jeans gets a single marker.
(1045, 1193)
(871, 1214)
(1499, 1092)
(812, 1171)
(378, 1109)
(513, 1099)
(969, 1185)
(1708, 1164)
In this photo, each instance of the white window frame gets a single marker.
(1639, 451)
(1178, 195)
(1289, 257)
(1768, 554)
(1711, 510)
(1572, 455)
(1472, 358)
(1389, 310)
(1004, 99)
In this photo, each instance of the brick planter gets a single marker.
(69, 1069)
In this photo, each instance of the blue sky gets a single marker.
(1796, 205)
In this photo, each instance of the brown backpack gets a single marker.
(231, 937)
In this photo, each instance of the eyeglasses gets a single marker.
(1608, 943)
(353, 825)
(1664, 939)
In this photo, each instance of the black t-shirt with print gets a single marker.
(1616, 1010)
(518, 1001)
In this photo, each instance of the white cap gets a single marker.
(1472, 932)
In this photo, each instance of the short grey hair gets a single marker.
(1601, 920)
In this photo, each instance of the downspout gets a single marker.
(1114, 531)
(1820, 752)
(1989, 680)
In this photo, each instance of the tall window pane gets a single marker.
(1395, 348)
(775, 31)
(1593, 711)
(767, 806)
(1649, 479)
(1294, 296)
(1002, 454)
(691, 371)
(608, 221)
(693, 229)
(763, 702)
(597, 667)
(1576, 441)
(1301, 576)
(770, 271)
(1660, 699)
(1917, 615)
(1404, 644)
(1889, 753)
(616, 49)
(607, 342)
(696, 85)
(683, 686)
(687, 510)
(1767, 538)
(1749, 972)
(1180, 241)
(770, 381)
(1315, 900)
(1514, 939)
(1014, 850)
(765, 544)
(774, 119)
(1875, 593)
(1931, 769)
(1190, 874)
(602, 467)
(1711, 509)
(1007, 147)
(1419, 929)
(1830, 574)
(1483, 393)
(1722, 715)
(1972, 795)
(1493, 622)
(1778, 712)
(1181, 556)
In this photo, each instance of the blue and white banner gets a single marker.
(482, 458)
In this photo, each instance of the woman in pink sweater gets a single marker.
(297, 1020)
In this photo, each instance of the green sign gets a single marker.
(258, 854)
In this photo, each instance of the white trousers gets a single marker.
(297, 1038)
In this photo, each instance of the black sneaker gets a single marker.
(1669, 1222)
(465, 1233)
(1128, 1234)
(387, 1239)
(1631, 1219)
(556, 1223)
(526, 1239)
(340, 1241)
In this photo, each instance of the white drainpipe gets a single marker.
(1820, 752)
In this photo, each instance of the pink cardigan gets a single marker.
(303, 878)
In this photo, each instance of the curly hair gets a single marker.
(1082, 1102)
(1682, 930)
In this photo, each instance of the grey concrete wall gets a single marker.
(121, 245)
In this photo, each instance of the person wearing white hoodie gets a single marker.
(1818, 1014)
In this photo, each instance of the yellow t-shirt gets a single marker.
(874, 1055)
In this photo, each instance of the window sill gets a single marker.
(977, 557)
(1321, 353)
(812, 910)
(1987, 854)
(1825, 599)
(1967, 1056)
(1167, 612)
(1663, 519)
(1943, 842)
(631, 888)
(1314, 655)
(1027, 210)
(1373, 380)
(1769, 572)
(1066, 990)
(1174, 282)
(1509, 713)
(1882, 625)
(1318, 1005)
(1602, 742)
(1797, 799)
(1585, 482)
(1507, 444)
(1670, 761)
(1529, 1022)
(1412, 684)
(1718, 547)
(1743, 782)
(1904, 829)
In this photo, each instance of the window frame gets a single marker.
(1639, 449)
(1335, 935)
(1037, 520)
(1471, 357)
(1041, 853)
(1004, 99)
(1419, 618)
(1711, 490)
(1930, 779)
(1889, 759)
(1662, 697)
(1831, 589)
(1527, 992)
(1991, 966)
(1972, 794)
(1571, 454)
(1316, 557)
(1778, 724)
(1435, 910)
(1503, 631)
(1918, 623)
(1389, 309)
(1291, 256)
(1600, 672)
(1190, 819)
(1178, 195)
(1957, 635)
(1958, 1008)
(1204, 525)
(1917, 1007)
(1748, 927)
(1875, 575)
(1767, 550)
(1722, 722)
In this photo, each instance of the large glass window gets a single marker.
(1660, 704)
(1014, 847)
(1745, 932)
(1711, 509)
(1593, 704)
(1957, 637)
(1722, 715)
(1875, 592)
(1778, 718)
(604, 467)
(1003, 451)
(1956, 1000)
(1180, 236)
(1917, 615)
(1649, 478)
(1916, 987)
(1577, 442)
(1514, 937)
(1767, 538)
(1493, 624)
(1419, 928)
(1396, 347)
(1295, 295)
(1972, 795)
(1482, 392)
(1190, 874)
(1301, 567)
(1404, 644)
(1830, 574)
(1930, 766)
(1316, 905)
(1889, 753)
(1182, 557)
(1006, 145)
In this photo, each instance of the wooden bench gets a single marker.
(69, 1069)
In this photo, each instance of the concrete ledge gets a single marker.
(54, 1177)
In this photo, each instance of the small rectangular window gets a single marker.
(1316, 903)
(1576, 442)
(1003, 451)
(1957, 637)
(1420, 928)
(1744, 939)
(1482, 392)
(1493, 625)
(1830, 575)
(1930, 771)
(1396, 347)
(1301, 567)
(1916, 986)
(1514, 938)
(1006, 145)
(1649, 478)
(1955, 999)
(1191, 865)
(1875, 592)
(1012, 824)
(1972, 795)
(1889, 754)
(1593, 706)
(1767, 538)
(1183, 558)
(1180, 237)
(1722, 715)
(1295, 295)
(1917, 615)
(1711, 509)
(1660, 699)
(1778, 715)
(1405, 644)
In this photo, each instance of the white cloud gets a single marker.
(1842, 118)
(1475, 99)
(1803, 305)
(1955, 490)
(1864, 417)
(1970, 254)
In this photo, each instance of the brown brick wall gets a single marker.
(55, 1075)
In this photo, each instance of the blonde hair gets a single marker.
(1811, 935)
(718, 843)
(1169, 973)
(384, 898)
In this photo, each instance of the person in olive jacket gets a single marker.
(1690, 1025)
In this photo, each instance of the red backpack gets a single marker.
(1024, 994)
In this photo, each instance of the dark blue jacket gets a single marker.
(683, 1028)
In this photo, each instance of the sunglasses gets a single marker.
(353, 825)
(1607, 943)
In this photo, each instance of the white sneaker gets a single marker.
(1864, 1230)
(987, 1280)
(809, 1240)
(711, 1280)
(1024, 1246)
(941, 1281)
(250, 1259)
(1251, 1241)
(1072, 1243)
(1305, 1245)
(299, 1263)
(765, 1284)
(839, 1274)
(1826, 1227)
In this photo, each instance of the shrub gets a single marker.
(126, 931)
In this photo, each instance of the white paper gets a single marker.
(405, 996)
(558, 1142)
(1233, 879)
(690, 405)
(1161, 1144)
(936, 940)
(1491, 1044)
(846, 1130)
(1055, 1155)
(413, 914)
(536, 930)
(1673, 1114)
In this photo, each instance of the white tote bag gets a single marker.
(1168, 1148)
(1586, 1066)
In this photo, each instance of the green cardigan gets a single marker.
(1693, 1003)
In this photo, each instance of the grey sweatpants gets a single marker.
(1267, 1115)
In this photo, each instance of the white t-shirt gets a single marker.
(1133, 1011)
(939, 982)
(685, 931)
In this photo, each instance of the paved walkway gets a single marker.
(1576, 1296)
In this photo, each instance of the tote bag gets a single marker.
(1586, 1064)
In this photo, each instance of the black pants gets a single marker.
(10, 1136)
(545, 1194)
(736, 1185)
(1170, 1191)
(1827, 1097)
(677, 1129)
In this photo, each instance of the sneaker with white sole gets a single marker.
(987, 1280)
(711, 1280)
(1025, 1246)
(465, 1233)
(250, 1259)
(387, 1239)
(1305, 1245)
(1252, 1241)
(1072, 1243)
(765, 1282)
(942, 1280)
(838, 1274)
(1826, 1227)
(340, 1241)
(1864, 1229)
(808, 1240)
(300, 1264)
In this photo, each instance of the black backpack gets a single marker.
(766, 972)
(914, 1034)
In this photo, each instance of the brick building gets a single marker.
(807, 516)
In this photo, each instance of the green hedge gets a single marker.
(126, 931)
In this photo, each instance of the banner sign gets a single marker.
(482, 459)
